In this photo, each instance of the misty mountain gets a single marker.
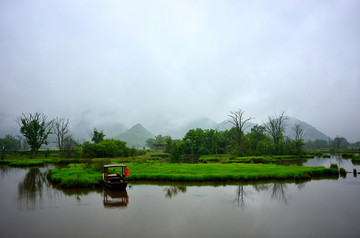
(136, 136)
(226, 125)
(310, 132)
(179, 132)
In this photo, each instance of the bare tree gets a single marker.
(61, 130)
(239, 123)
(69, 145)
(276, 127)
(36, 129)
(298, 132)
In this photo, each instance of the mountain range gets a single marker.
(137, 135)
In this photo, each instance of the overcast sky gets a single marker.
(166, 62)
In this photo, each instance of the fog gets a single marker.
(163, 63)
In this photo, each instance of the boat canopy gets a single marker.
(114, 165)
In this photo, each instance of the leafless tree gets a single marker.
(276, 127)
(239, 122)
(298, 132)
(61, 130)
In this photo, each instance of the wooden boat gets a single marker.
(115, 181)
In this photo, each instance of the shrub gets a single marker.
(106, 148)
(347, 155)
(343, 172)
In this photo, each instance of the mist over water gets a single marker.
(114, 64)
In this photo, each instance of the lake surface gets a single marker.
(31, 207)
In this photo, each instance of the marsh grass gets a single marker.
(76, 175)
(26, 162)
(223, 172)
(226, 158)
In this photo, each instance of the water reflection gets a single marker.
(114, 198)
(241, 195)
(4, 170)
(174, 190)
(30, 189)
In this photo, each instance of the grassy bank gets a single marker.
(226, 158)
(356, 160)
(26, 162)
(223, 172)
(76, 175)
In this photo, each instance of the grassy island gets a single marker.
(76, 175)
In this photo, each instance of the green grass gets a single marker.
(223, 172)
(76, 175)
(356, 160)
(24, 162)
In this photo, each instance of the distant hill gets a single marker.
(180, 132)
(136, 136)
(226, 125)
(310, 132)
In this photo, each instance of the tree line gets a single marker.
(36, 128)
(266, 139)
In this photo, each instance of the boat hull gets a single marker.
(116, 186)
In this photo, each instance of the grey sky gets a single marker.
(165, 62)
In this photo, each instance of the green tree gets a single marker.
(158, 143)
(275, 126)
(340, 143)
(36, 129)
(258, 141)
(150, 142)
(317, 144)
(97, 136)
(68, 146)
(176, 148)
(194, 143)
(9, 142)
(105, 148)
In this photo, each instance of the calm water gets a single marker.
(30, 207)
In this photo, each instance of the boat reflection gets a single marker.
(115, 198)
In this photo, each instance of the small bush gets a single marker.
(334, 166)
(99, 165)
(348, 155)
(343, 172)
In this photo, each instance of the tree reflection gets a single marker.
(173, 191)
(31, 187)
(278, 190)
(4, 170)
(240, 196)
